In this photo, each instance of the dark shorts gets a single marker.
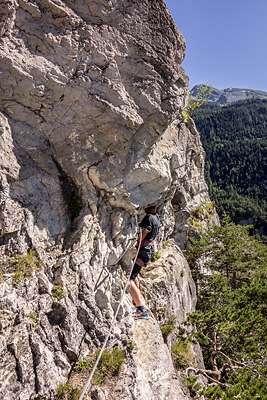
(144, 256)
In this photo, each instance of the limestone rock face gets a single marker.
(156, 377)
(91, 131)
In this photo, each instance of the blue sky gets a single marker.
(226, 41)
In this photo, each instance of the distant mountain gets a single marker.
(231, 95)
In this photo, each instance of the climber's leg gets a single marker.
(135, 293)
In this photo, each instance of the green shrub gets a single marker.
(155, 256)
(195, 224)
(193, 385)
(201, 98)
(166, 329)
(198, 213)
(58, 292)
(65, 391)
(33, 315)
(210, 207)
(84, 365)
(231, 309)
(109, 365)
(23, 265)
(41, 396)
(182, 354)
(130, 346)
(168, 323)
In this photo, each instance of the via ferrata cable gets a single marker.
(112, 324)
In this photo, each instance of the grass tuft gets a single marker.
(65, 391)
(155, 256)
(182, 354)
(23, 265)
(109, 365)
(58, 292)
(33, 315)
(168, 322)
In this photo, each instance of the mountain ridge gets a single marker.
(230, 95)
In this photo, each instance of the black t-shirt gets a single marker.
(152, 223)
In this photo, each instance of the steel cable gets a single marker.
(111, 326)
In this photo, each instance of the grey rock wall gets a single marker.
(91, 97)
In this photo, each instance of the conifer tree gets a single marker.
(230, 322)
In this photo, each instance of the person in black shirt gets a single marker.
(150, 225)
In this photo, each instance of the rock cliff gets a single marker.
(91, 131)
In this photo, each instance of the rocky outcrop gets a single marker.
(156, 377)
(91, 132)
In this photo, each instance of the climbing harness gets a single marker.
(114, 319)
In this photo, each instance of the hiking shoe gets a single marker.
(141, 315)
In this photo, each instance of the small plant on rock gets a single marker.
(65, 391)
(168, 322)
(41, 396)
(198, 213)
(58, 292)
(210, 207)
(23, 265)
(130, 346)
(168, 327)
(201, 98)
(195, 224)
(84, 365)
(182, 354)
(155, 256)
(109, 365)
(33, 315)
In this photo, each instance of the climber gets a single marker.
(150, 227)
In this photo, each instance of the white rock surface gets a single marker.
(156, 377)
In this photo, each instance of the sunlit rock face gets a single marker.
(95, 84)
(91, 131)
